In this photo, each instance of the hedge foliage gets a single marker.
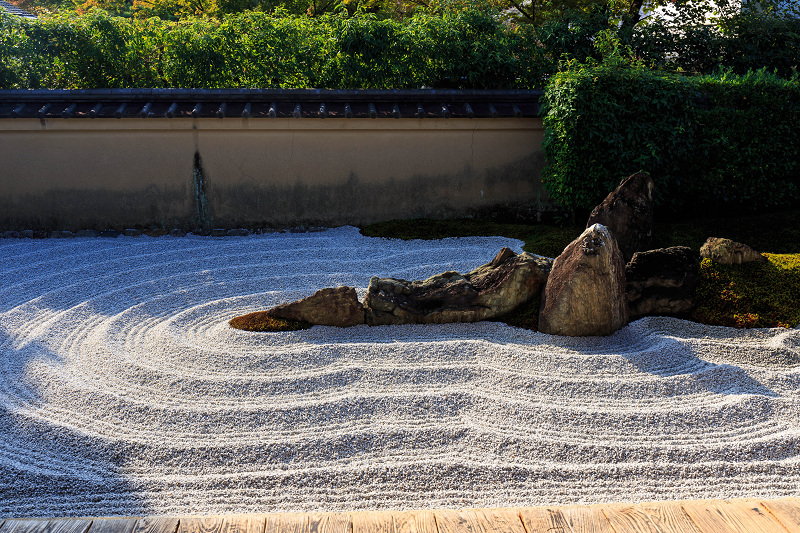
(254, 49)
(469, 48)
(713, 144)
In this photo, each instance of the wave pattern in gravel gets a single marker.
(124, 391)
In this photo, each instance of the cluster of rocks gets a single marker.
(132, 232)
(603, 279)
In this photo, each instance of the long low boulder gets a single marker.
(489, 291)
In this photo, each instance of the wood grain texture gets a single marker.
(373, 522)
(114, 525)
(156, 524)
(60, 525)
(479, 521)
(669, 517)
(544, 520)
(718, 516)
(222, 524)
(586, 519)
(630, 519)
(786, 511)
(415, 522)
(308, 523)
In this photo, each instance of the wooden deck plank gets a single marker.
(373, 522)
(786, 511)
(629, 519)
(669, 517)
(308, 523)
(59, 525)
(586, 519)
(544, 520)
(415, 522)
(157, 524)
(479, 521)
(114, 525)
(222, 524)
(718, 516)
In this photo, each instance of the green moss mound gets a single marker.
(751, 295)
(540, 239)
(260, 321)
(525, 316)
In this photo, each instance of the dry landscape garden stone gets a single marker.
(488, 291)
(728, 252)
(585, 292)
(327, 307)
(627, 212)
(662, 282)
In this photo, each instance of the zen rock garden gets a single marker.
(602, 279)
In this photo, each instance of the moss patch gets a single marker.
(540, 239)
(260, 321)
(751, 295)
(525, 316)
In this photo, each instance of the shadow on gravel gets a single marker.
(50, 467)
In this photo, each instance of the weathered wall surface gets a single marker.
(183, 172)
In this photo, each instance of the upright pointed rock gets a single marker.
(628, 212)
(585, 292)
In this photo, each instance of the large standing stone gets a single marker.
(628, 213)
(662, 282)
(728, 252)
(327, 307)
(488, 291)
(585, 292)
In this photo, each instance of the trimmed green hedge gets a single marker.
(469, 49)
(713, 144)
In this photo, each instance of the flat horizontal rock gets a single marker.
(489, 291)
(729, 252)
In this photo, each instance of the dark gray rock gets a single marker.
(238, 232)
(130, 232)
(628, 213)
(662, 282)
(91, 233)
(177, 232)
(110, 233)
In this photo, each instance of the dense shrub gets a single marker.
(470, 49)
(712, 143)
(740, 43)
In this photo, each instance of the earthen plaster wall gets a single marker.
(157, 172)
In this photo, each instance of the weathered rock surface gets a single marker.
(327, 307)
(585, 292)
(488, 291)
(628, 213)
(728, 252)
(662, 282)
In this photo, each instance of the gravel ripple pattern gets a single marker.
(125, 392)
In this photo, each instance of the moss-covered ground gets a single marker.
(260, 321)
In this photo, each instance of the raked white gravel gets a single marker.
(124, 391)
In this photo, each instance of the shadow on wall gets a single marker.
(356, 201)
